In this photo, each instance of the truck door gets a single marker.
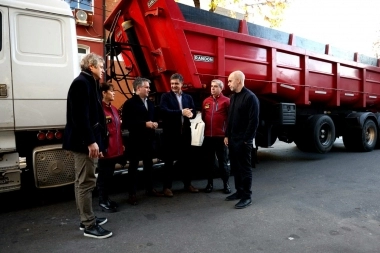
(7, 142)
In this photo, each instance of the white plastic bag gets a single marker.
(197, 130)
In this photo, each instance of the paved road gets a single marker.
(302, 203)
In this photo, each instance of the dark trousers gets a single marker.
(240, 159)
(145, 155)
(215, 146)
(106, 168)
(177, 149)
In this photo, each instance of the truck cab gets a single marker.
(38, 61)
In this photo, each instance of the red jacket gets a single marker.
(115, 140)
(214, 114)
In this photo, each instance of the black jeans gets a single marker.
(145, 155)
(215, 146)
(240, 159)
(177, 149)
(106, 168)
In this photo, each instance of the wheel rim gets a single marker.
(325, 135)
(370, 135)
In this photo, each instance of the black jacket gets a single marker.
(172, 114)
(135, 115)
(243, 116)
(85, 120)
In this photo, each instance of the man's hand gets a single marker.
(94, 151)
(152, 125)
(226, 141)
(187, 112)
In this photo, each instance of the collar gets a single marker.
(105, 104)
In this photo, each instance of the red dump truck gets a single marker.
(309, 93)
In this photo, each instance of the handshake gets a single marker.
(187, 112)
(152, 125)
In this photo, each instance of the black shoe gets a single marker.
(233, 196)
(99, 221)
(227, 189)
(96, 231)
(132, 200)
(107, 206)
(113, 203)
(243, 203)
(209, 188)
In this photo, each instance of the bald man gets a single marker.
(241, 130)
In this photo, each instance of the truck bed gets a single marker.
(167, 37)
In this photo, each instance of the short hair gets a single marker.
(219, 83)
(90, 59)
(106, 87)
(138, 82)
(177, 76)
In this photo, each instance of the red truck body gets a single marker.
(160, 37)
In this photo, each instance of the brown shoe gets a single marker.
(192, 189)
(154, 193)
(132, 200)
(168, 193)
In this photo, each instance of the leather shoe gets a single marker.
(192, 189)
(209, 188)
(243, 203)
(154, 193)
(132, 200)
(234, 196)
(168, 193)
(227, 188)
(107, 206)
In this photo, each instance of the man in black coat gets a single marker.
(177, 108)
(138, 118)
(86, 136)
(243, 119)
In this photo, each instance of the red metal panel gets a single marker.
(170, 44)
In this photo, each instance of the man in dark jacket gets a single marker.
(138, 118)
(85, 135)
(243, 119)
(177, 108)
(214, 114)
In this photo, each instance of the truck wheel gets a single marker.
(321, 131)
(368, 136)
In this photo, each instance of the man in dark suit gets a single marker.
(177, 108)
(138, 118)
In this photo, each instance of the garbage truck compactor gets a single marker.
(309, 93)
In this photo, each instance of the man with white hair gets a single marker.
(241, 130)
(214, 114)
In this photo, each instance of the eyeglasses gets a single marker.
(146, 87)
(174, 83)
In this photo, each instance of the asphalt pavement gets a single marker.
(302, 202)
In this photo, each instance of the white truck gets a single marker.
(38, 61)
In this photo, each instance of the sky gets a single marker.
(346, 24)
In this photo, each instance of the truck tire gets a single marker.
(363, 139)
(368, 136)
(321, 131)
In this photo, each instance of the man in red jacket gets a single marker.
(214, 114)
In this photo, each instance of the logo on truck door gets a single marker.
(203, 58)
(151, 2)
